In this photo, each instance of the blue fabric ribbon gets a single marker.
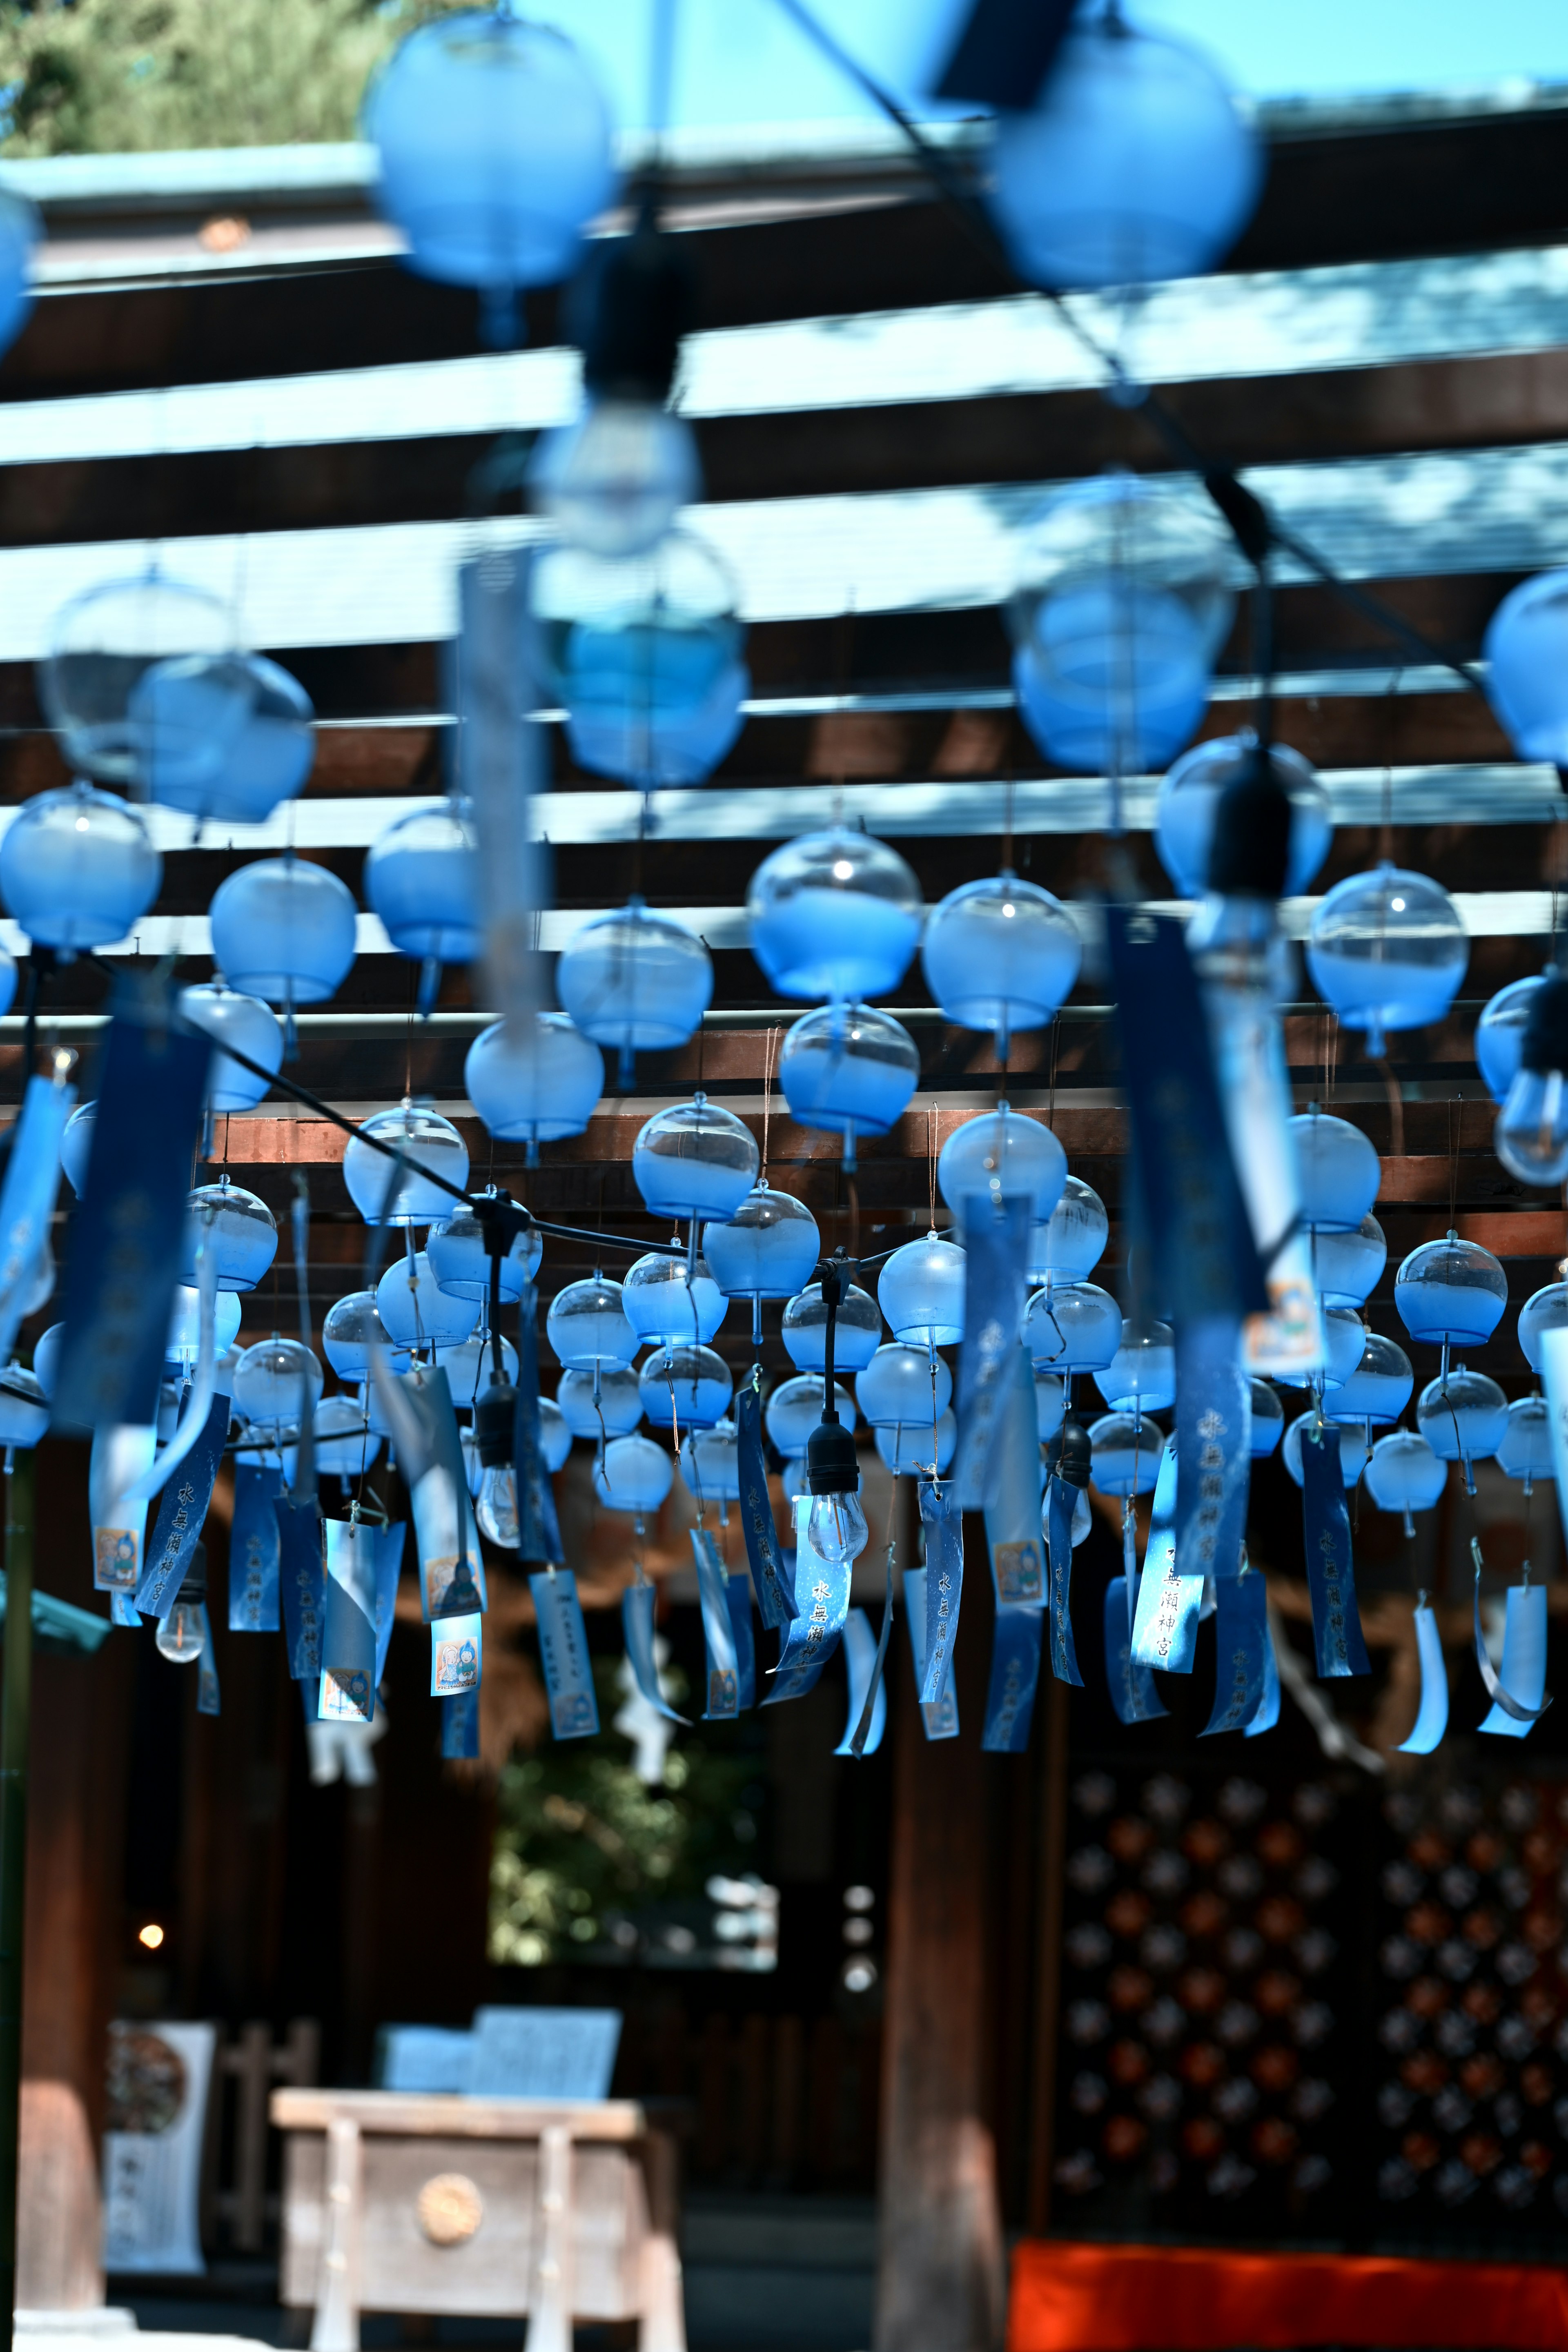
(738, 1591)
(27, 1198)
(996, 1251)
(1331, 1575)
(538, 1529)
(718, 1631)
(944, 1583)
(563, 1654)
(860, 1660)
(182, 1514)
(774, 1582)
(1165, 1620)
(1061, 1502)
(1214, 1449)
(939, 1716)
(637, 1626)
(302, 1578)
(822, 1602)
(253, 1550)
(460, 1727)
(1014, 1678)
(1242, 1651)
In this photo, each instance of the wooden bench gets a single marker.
(478, 2208)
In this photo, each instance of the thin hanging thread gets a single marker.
(1056, 1045)
(770, 1047)
(930, 1160)
(1456, 1131)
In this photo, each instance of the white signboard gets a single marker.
(158, 2082)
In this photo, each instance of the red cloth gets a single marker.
(1110, 2298)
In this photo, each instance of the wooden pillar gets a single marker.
(939, 2268)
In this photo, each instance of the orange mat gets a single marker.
(1071, 2297)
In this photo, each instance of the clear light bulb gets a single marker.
(179, 1634)
(1531, 1133)
(836, 1528)
(496, 1509)
(615, 480)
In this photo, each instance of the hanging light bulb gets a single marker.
(1530, 1137)
(850, 1068)
(1002, 955)
(1189, 799)
(495, 1417)
(834, 915)
(78, 868)
(634, 980)
(835, 1526)
(1387, 951)
(421, 878)
(180, 1636)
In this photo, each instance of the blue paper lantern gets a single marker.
(1344, 1345)
(794, 1408)
(685, 1388)
(1002, 955)
(617, 1410)
(850, 1068)
(1189, 798)
(1071, 1242)
(1403, 1474)
(460, 1263)
(76, 1146)
(587, 1325)
(668, 1303)
(1387, 951)
(392, 1192)
(1379, 1387)
(633, 1475)
(920, 1291)
(1544, 1310)
(421, 878)
(914, 1449)
(694, 1159)
(1354, 1454)
(1141, 1376)
(1134, 164)
(710, 1465)
(766, 1250)
(271, 1378)
(19, 235)
(1525, 1450)
(1124, 1455)
(228, 1016)
(1073, 1327)
(834, 915)
(1450, 1293)
(237, 1226)
(1463, 1416)
(903, 1384)
(78, 868)
(1266, 1425)
(351, 1331)
(857, 1332)
(1348, 1262)
(416, 1313)
(493, 144)
(1337, 1171)
(636, 981)
(1526, 650)
(1001, 1155)
(285, 930)
(104, 643)
(1499, 1034)
(223, 738)
(533, 1079)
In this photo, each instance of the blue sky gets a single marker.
(742, 61)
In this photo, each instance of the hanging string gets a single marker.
(770, 1048)
(931, 1159)
(1056, 1046)
(1456, 1130)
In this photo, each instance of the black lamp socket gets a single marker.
(831, 1464)
(1251, 852)
(194, 1590)
(495, 1420)
(628, 309)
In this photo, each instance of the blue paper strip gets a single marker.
(1432, 1716)
(1014, 1678)
(348, 1638)
(1214, 1449)
(1131, 1685)
(253, 1550)
(943, 1525)
(27, 1198)
(389, 1549)
(182, 1514)
(637, 1626)
(1242, 1651)
(119, 1459)
(1331, 1575)
(127, 1233)
(722, 1685)
(738, 1595)
(208, 1699)
(1013, 1502)
(122, 1610)
(939, 1716)
(822, 1594)
(860, 1659)
(1165, 1621)
(563, 1654)
(538, 1529)
(1061, 1502)
(303, 1580)
(460, 1727)
(1521, 1675)
(774, 1582)
(996, 1251)
(456, 1654)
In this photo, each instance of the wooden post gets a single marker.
(550, 2304)
(939, 2276)
(14, 1711)
(336, 2324)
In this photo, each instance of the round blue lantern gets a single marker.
(1351, 1435)
(1387, 951)
(903, 1384)
(1266, 1425)
(1403, 1474)
(494, 149)
(834, 915)
(1377, 1389)
(285, 930)
(766, 1250)
(1463, 1416)
(637, 980)
(421, 878)
(20, 231)
(103, 645)
(615, 478)
(857, 1332)
(914, 1449)
(1499, 1034)
(351, 1329)
(1189, 798)
(1051, 1404)
(344, 1446)
(1073, 1327)
(685, 1388)
(227, 1016)
(1348, 1262)
(921, 1293)
(1544, 1310)
(614, 1411)
(416, 1313)
(694, 1159)
(1001, 955)
(389, 1191)
(269, 1379)
(1337, 1171)
(850, 1068)
(78, 868)
(1134, 164)
(460, 1263)
(223, 738)
(1125, 1455)
(1123, 603)
(1450, 1293)
(184, 1340)
(533, 1079)
(1344, 1344)
(1071, 1242)
(670, 1304)
(710, 1465)
(469, 1366)
(237, 1226)
(1141, 1376)
(1000, 1155)
(633, 1475)
(794, 1408)
(1526, 647)
(587, 1325)
(1525, 1450)
(76, 1145)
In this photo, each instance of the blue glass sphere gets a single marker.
(634, 1474)
(46, 1357)
(921, 1293)
(387, 1191)
(493, 142)
(1071, 1242)
(469, 1366)
(1353, 1448)
(344, 1446)
(661, 1305)
(1125, 1455)
(848, 1067)
(238, 1228)
(1463, 1418)
(533, 1078)
(1499, 1034)
(903, 1384)
(613, 478)
(223, 1014)
(103, 644)
(351, 1329)
(1378, 1388)
(416, 1313)
(1450, 1293)
(685, 1387)
(421, 878)
(284, 930)
(619, 1408)
(834, 915)
(1266, 1426)
(1189, 799)
(1403, 1474)
(270, 1378)
(183, 1342)
(1337, 1170)
(694, 1159)
(1344, 1344)
(635, 980)
(587, 1325)
(1544, 1310)
(912, 1450)
(1526, 651)
(76, 1145)
(1134, 163)
(857, 1335)
(794, 1408)
(19, 235)
(711, 1463)
(78, 868)
(224, 738)
(1001, 954)
(1387, 951)
(1348, 1262)
(1000, 1155)
(1525, 1450)
(1073, 1327)
(767, 1250)
(460, 1263)
(1141, 1376)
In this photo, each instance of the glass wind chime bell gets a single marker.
(1188, 803)
(1000, 955)
(670, 1305)
(695, 1162)
(533, 1079)
(834, 915)
(388, 1192)
(637, 980)
(78, 869)
(1403, 1474)
(421, 878)
(286, 930)
(767, 1250)
(858, 1330)
(1387, 951)
(1531, 1138)
(848, 1068)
